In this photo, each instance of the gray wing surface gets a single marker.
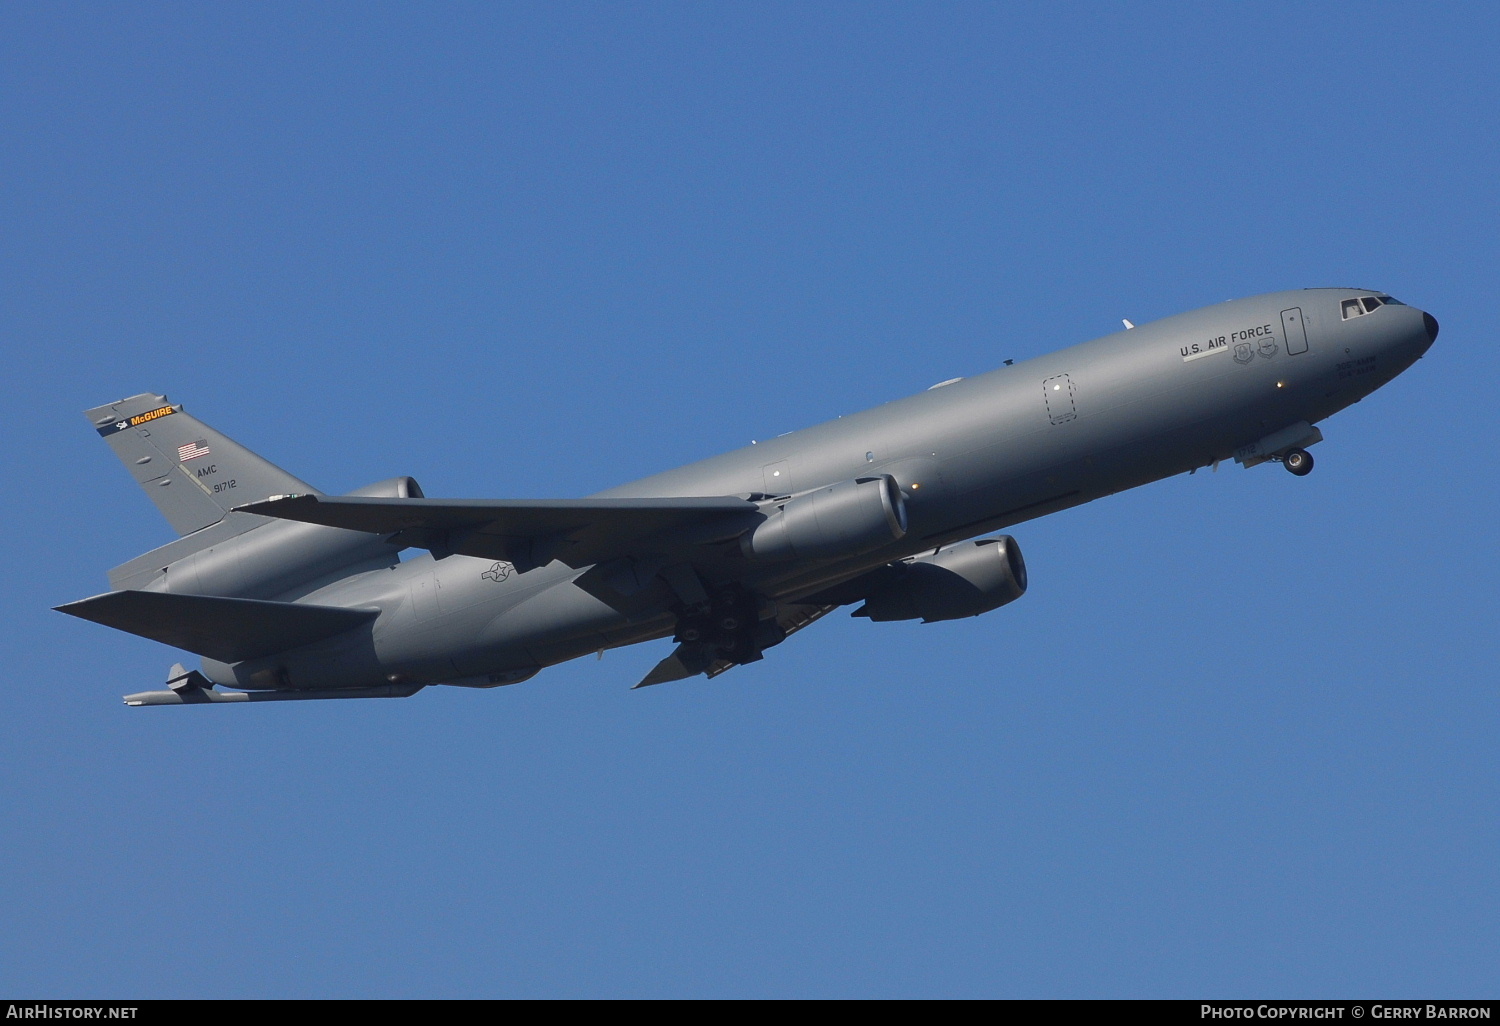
(526, 532)
(227, 629)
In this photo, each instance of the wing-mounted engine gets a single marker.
(958, 581)
(844, 519)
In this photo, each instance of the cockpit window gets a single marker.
(1370, 303)
(1391, 302)
(1352, 307)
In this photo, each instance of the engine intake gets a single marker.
(844, 519)
(960, 580)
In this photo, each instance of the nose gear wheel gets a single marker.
(1298, 461)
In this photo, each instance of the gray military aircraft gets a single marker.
(288, 593)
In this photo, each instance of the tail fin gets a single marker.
(194, 474)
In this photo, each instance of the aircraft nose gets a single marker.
(1432, 327)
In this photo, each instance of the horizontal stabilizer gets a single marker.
(527, 532)
(226, 629)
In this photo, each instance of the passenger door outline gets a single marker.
(1294, 331)
(1057, 392)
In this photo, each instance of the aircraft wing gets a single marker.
(692, 658)
(526, 532)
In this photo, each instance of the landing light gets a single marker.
(1280, 384)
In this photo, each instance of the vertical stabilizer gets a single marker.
(194, 474)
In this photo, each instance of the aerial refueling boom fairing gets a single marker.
(288, 593)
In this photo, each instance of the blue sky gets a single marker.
(1238, 738)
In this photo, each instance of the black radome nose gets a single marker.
(1432, 327)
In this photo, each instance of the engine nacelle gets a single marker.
(845, 519)
(392, 488)
(960, 580)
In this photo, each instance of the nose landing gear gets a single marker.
(1298, 461)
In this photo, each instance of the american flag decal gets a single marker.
(192, 450)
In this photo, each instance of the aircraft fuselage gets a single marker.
(972, 456)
